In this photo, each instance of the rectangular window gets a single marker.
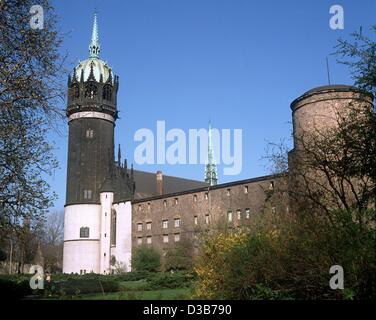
(165, 238)
(229, 216)
(148, 226)
(177, 237)
(195, 220)
(148, 240)
(239, 214)
(139, 226)
(113, 228)
(206, 196)
(84, 232)
(195, 198)
(247, 213)
(165, 203)
(165, 224)
(271, 185)
(207, 219)
(139, 241)
(89, 133)
(177, 222)
(176, 201)
(246, 189)
(87, 194)
(149, 206)
(228, 192)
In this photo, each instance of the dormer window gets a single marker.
(91, 91)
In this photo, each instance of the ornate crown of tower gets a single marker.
(92, 86)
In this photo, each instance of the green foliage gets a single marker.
(169, 280)
(14, 287)
(146, 258)
(360, 56)
(29, 98)
(82, 286)
(179, 257)
(290, 258)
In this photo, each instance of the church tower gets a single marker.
(91, 114)
(93, 177)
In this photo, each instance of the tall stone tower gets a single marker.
(94, 180)
(92, 113)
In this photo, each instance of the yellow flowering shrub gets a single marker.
(210, 267)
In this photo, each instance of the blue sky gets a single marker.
(238, 62)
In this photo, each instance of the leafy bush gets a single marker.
(179, 257)
(82, 286)
(146, 259)
(290, 258)
(170, 280)
(14, 287)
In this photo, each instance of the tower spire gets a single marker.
(94, 47)
(211, 167)
(119, 155)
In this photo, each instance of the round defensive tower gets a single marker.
(318, 108)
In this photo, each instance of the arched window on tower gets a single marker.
(113, 228)
(107, 92)
(75, 92)
(90, 90)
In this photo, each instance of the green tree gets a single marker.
(179, 257)
(30, 93)
(359, 55)
(146, 258)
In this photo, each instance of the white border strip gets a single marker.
(91, 114)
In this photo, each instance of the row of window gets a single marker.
(91, 92)
(206, 197)
(165, 237)
(177, 222)
(165, 224)
(238, 215)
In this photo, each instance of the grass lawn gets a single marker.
(133, 294)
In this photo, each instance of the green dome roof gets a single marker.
(100, 67)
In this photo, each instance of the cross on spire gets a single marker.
(94, 47)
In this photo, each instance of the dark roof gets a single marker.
(331, 87)
(146, 184)
(334, 87)
(207, 187)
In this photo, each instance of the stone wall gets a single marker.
(180, 216)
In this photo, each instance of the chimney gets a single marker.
(159, 183)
